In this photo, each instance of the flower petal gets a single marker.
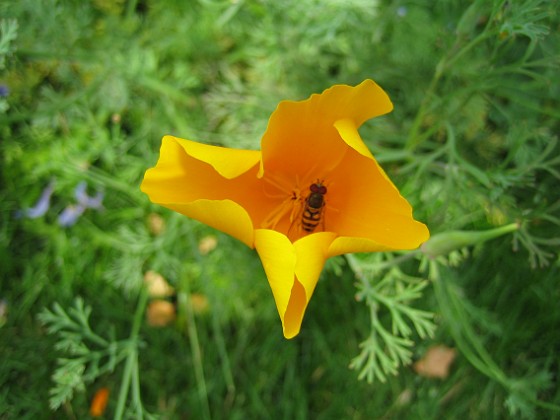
(292, 271)
(365, 208)
(42, 205)
(224, 215)
(278, 257)
(311, 254)
(397, 233)
(214, 185)
(301, 137)
(360, 103)
(70, 215)
(229, 163)
(349, 133)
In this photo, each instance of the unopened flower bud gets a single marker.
(445, 242)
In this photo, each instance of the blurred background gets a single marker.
(113, 307)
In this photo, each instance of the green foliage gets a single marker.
(387, 349)
(88, 90)
(86, 349)
(8, 34)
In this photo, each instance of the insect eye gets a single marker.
(318, 188)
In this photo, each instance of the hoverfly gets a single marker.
(313, 207)
(304, 213)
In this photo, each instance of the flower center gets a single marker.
(299, 209)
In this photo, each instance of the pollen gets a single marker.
(285, 213)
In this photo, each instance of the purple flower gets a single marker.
(72, 212)
(42, 205)
(95, 202)
(70, 215)
(4, 91)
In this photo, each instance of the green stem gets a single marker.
(185, 302)
(398, 260)
(414, 138)
(479, 39)
(90, 335)
(136, 397)
(216, 330)
(131, 365)
(131, 8)
(469, 342)
(470, 345)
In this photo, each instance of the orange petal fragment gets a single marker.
(160, 313)
(207, 244)
(99, 402)
(157, 286)
(436, 362)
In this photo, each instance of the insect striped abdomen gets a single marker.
(313, 210)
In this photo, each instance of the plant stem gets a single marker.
(131, 366)
(184, 298)
(414, 138)
(131, 8)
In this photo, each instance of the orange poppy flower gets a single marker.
(313, 191)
